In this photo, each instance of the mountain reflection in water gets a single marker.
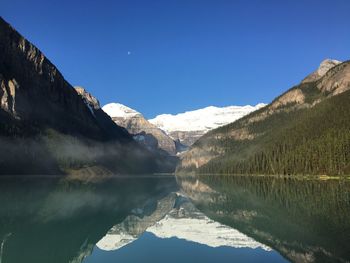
(306, 220)
(175, 216)
(244, 219)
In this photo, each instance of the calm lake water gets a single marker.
(214, 219)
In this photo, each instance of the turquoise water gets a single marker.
(243, 219)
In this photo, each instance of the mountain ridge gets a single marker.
(142, 130)
(183, 128)
(325, 65)
(48, 128)
(285, 126)
(189, 126)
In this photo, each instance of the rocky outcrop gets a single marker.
(186, 138)
(143, 131)
(8, 95)
(325, 65)
(336, 80)
(89, 100)
(293, 96)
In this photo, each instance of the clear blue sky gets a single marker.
(184, 54)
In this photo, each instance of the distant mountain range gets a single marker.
(306, 130)
(174, 133)
(189, 126)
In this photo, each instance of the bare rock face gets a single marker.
(8, 95)
(33, 90)
(325, 65)
(336, 80)
(293, 96)
(187, 138)
(143, 131)
(88, 98)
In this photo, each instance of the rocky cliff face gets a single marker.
(187, 138)
(48, 127)
(325, 65)
(101, 118)
(88, 98)
(32, 89)
(143, 131)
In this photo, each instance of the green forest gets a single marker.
(311, 141)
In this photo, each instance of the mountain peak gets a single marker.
(143, 131)
(325, 65)
(119, 110)
(202, 119)
(187, 127)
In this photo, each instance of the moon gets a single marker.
(129, 53)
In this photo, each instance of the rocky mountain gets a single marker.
(142, 130)
(32, 89)
(46, 126)
(306, 130)
(189, 126)
(325, 65)
(91, 102)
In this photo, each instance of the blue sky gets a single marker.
(184, 54)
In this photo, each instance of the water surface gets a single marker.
(212, 219)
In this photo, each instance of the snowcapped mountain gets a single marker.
(173, 133)
(117, 110)
(189, 126)
(203, 119)
(142, 130)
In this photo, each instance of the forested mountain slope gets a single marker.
(306, 130)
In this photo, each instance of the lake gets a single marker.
(167, 219)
